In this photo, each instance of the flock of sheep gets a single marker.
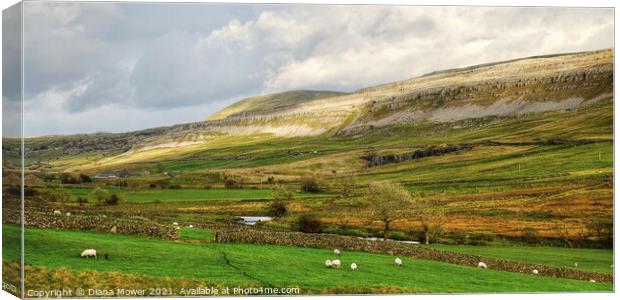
(483, 265)
(176, 225)
(336, 263)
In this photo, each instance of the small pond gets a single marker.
(251, 220)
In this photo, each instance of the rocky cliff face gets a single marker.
(520, 87)
(530, 85)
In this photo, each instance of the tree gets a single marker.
(53, 195)
(81, 200)
(277, 208)
(387, 202)
(85, 178)
(310, 184)
(310, 223)
(231, 184)
(67, 178)
(113, 199)
(100, 195)
(431, 217)
(602, 228)
(563, 231)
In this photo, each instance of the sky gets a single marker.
(117, 67)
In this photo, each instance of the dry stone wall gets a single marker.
(92, 223)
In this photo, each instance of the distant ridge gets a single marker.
(469, 68)
(272, 101)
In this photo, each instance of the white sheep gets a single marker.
(482, 265)
(592, 280)
(576, 264)
(175, 224)
(398, 262)
(353, 266)
(336, 252)
(89, 253)
(328, 263)
(178, 228)
(336, 263)
(191, 226)
(68, 213)
(535, 272)
(57, 212)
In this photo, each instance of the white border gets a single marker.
(565, 3)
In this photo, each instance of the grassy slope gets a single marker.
(596, 260)
(168, 195)
(267, 265)
(266, 102)
(588, 122)
(495, 164)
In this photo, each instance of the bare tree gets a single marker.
(386, 202)
(281, 196)
(563, 231)
(431, 216)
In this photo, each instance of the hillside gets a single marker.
(270, 102)
(460, 97)
(518, 87)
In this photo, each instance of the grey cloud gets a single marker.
(153, 58)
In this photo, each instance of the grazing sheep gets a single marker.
(576, 265)
(336, 263)
(178, 228)
(353, 266)
(398, 262)
(175, 224)
(535, 272)
(328, 263)
(57, 212)
(482, 265)
(89, 253)
(191, 226)
(68, 214)
(592, 280)
(336, 252)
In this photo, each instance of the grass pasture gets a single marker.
(245, 264)
(596, 260)
(179, 195)
(196, 234)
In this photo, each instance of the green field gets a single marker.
(597, 260)
(171, 195)
(242, 264)
(196, 234)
